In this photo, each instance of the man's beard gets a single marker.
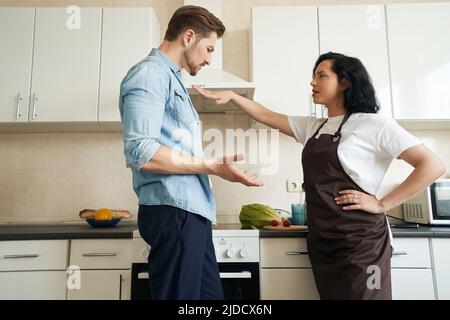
(193, 71)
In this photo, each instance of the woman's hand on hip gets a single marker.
(359, 201)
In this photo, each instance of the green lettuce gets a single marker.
(257, 216)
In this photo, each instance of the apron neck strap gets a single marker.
(338, 132)
(320, 127)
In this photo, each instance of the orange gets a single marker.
(103, 214)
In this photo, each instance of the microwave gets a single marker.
(431, 206)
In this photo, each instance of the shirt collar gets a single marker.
(157, 53)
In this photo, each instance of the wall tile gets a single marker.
(31, 151)
(62, 151)
(7, 191)
(226, 219)
(225, 195)
(122, 193)
(96, 153)
(64, 190)
(9, 152)
(30, 194)
(249, 195)
(95, 189)
(117, 155)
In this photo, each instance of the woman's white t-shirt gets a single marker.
(368, 144)
(367, 147)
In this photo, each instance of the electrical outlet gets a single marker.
(293, 185)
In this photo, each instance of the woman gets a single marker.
(345, 158)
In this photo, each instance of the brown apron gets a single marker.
(349, 251)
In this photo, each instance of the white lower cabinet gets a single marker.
(286, 272)
(101, 285)
(33, 285)
(98, 269)
(288, 284)
(412, 284)
(441, 260)
(33, 269)
(102, 269)
(412, 273)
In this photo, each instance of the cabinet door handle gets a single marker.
(120, 286)
(295, 253)
(20, 256)
(19, 101)
(400, 253)
(99, 254)
(35, 99)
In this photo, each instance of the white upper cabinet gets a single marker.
(359, 31)
(419, 50)
(66, 65)
(284, 48)
(16, 37)
(128, 34)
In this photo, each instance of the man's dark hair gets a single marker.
(196, 18)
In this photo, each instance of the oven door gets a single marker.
(140, 282)
(240, 281)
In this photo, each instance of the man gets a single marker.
(163, 147)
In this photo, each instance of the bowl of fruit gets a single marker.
(104, 217)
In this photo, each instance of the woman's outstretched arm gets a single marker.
(255, 110)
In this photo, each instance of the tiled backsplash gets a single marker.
(51, 177)
(54, 176)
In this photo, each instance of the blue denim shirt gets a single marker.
(156, 110)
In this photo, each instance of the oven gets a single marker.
(237, 253)
(240, 281)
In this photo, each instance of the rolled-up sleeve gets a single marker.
(143, 97)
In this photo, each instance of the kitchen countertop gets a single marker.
(419, 232)
(46, 231)
(124, 230)
(76, 230)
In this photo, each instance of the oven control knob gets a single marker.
(243, 253)
(230, 253)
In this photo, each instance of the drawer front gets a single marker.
(284, 253)
(30, 255)
(101, 254)
(442, 267)
(33, 285)
(412, 284)
(411, 253)
(102, 285)
(288, 284)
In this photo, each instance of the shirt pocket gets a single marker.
(184, 113)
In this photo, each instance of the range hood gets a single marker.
(213, 77)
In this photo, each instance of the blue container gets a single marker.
(298, 214)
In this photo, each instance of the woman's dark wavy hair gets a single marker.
(360, 94)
